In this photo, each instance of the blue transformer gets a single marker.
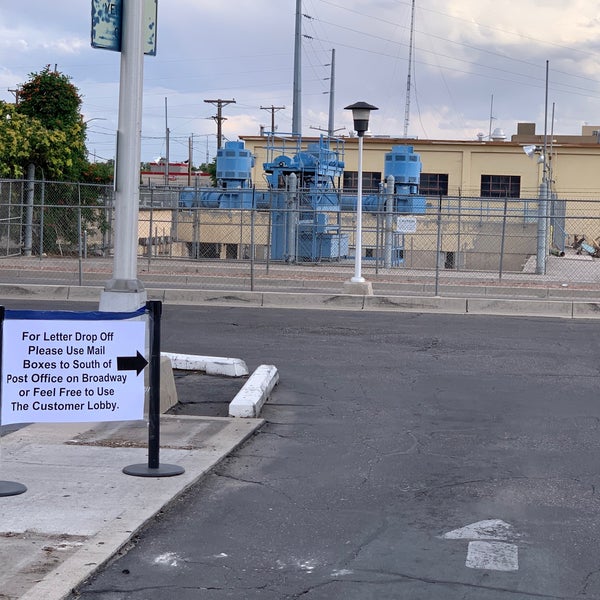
(405, 166)
(305, 223)
(234, 164)
(234, 174)
(305, 198)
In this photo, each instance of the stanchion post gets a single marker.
(7, 488)
(154, 309)
(154, 468)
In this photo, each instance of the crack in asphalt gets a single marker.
(391, 578)
(259, 483)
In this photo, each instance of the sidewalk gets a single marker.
(79, 509)
(563, 276)
(466, 299)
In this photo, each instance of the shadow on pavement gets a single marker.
(202, 395)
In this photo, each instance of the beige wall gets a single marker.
(576, 167)
(474, 242)
(171, 231)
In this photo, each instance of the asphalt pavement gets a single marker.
(359, 477)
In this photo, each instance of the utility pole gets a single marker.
(219, 118)
(16, 93)
(273, 110)
(410, 66)
(190, 157)
(167, 140)
(297, 90)
(330, 127)
(542, 237)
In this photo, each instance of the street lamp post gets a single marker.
(360, 115)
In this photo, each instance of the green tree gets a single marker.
(51, 99)
(46, 129)
(211, 169)
(99, 172)
(25, 140)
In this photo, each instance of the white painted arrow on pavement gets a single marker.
(488, 548)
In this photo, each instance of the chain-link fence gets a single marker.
(254, 239)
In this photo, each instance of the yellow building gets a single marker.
(480, 173)
(478, 168)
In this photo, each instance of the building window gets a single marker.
(370, 180)
(434, 184)
(500, 186)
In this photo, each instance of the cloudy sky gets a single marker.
(476, 63)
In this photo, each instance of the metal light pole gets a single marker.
(125, 292)
(360, 114)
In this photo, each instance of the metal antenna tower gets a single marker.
(408, 77)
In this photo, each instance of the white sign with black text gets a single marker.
(72, 370)
(406, 225)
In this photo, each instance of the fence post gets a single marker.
(150, 227)
(252, 238)
(42, 202)
(269, 232)
(458, 251)
(174, 229)
(291, 204)
(502, 239)
(80, 241)
(542, 231)
(29, 210)
(107, 230)
(438, 247)
(378, 234)
(389, 210)
(196, 234)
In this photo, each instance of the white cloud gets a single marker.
(466, 52)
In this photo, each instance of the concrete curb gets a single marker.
(525, 308)
(212, 365)
(250, 399)
(417, 304)
(494, 302)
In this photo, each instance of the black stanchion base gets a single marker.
(11, 488)
(143, 470)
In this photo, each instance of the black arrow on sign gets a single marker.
(131, 363)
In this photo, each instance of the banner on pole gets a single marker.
(107, 27)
